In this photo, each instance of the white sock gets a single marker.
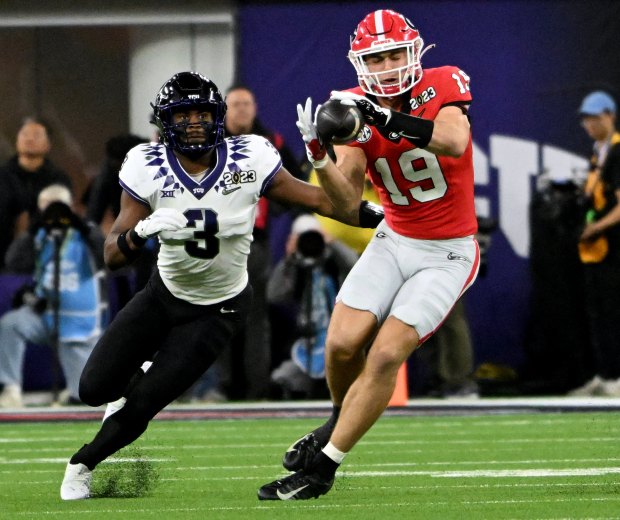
(334, 453)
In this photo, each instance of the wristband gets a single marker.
(416, 130)
(370, 215)
(136, 239)
(123, 246)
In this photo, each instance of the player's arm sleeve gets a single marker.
(454, 87)
(268, 162)
(134, 179)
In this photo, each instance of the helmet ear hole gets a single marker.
(189, 91)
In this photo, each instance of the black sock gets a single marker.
(335, 414)
(77, 458)
(324, 466)
(324, 432)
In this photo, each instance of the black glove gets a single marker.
(373, 114)
(415, 129)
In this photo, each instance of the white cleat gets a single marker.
(113, 407)
(76, 484)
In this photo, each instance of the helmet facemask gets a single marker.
(175, 135)
(408, 75)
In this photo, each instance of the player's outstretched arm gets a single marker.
(448, 134)
(290, 191)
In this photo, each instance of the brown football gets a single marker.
(337, 123)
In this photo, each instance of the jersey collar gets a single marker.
(199, 189)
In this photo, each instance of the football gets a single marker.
(337, 123)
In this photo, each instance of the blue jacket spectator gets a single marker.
(78, 299)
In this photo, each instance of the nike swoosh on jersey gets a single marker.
(290, 494)
(224, 310)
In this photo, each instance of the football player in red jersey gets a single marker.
(416, 148)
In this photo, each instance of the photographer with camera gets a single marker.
(67, 303)
(303, 288)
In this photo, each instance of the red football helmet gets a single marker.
(386, 30)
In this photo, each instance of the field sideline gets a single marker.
(478, 461)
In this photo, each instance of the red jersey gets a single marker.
(424, 195)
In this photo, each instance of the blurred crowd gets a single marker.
(53, 238)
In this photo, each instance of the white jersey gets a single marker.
(206, 262)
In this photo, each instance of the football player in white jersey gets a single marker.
(197, 192)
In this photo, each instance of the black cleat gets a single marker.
(302, 452)
(298, 486)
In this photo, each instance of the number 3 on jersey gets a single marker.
(207, 233)
(416, 165)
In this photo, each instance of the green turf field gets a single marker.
(534, 466)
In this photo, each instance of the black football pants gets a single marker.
(182, 340)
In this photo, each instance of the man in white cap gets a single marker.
(599, 244)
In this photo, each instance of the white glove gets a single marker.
(315, 150)
(162, 219)
(373, 114)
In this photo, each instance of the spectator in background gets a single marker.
(599, 244)
(304, 286)
(450, 351)
(103, 198)
(241, 118)
(103, 202)
(244, 370)
(80, 301)
(449, 354)
(13, 212)
(31, 165)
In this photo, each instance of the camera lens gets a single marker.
(310, 244)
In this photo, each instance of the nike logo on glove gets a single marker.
(290, 494)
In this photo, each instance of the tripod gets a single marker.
(58, 236)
